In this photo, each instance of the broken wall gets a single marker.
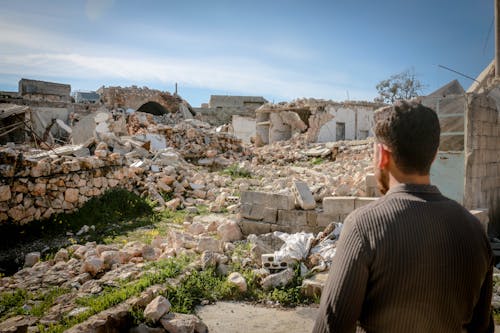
(357, 120)
(33, 189)
(44, 91)
(243, 128)
(482, 160)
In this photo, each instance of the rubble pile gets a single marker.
(90, 269)
(330, 169)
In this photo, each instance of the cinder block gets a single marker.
(362, 201)
(303, 195)
(338, 205)
(253, 227)
(270, 262)
(292, 217)
(324, 220)
(314, 285)
(269, 215)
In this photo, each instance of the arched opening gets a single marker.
(153, 108)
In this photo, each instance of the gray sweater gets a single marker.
(412, 261)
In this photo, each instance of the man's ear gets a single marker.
(385, 155)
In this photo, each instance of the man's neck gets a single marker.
(400, 178)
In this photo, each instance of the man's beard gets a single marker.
(382, 177)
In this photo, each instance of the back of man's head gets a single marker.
(411, 131)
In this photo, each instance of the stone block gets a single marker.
(324, 219)
(253, 227)
(362, 201)
(292, 217)
(338, 205)
(252, 211)
(252, 197)
(312, 218)
(303, 195)
(313, 286)
(270, 215)
(281, 201)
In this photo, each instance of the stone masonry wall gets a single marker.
(36, 189)
(268, 212)
(482, 160)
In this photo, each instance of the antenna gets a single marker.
(454, 71)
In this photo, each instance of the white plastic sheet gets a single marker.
(296, 246)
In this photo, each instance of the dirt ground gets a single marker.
(225, 317)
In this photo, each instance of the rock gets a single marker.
(183, 323)
(303, 195)
(208, 259)
(71, 195)
(143, 328)
(229, 231)
(173, 204)
(208, 244)
(5, 193)
(93, 266)
(17, 324)
(111, 258)
(149, 253)
(196, 228)
(31, 259)
(61, 255)
(313, 286)
(278, 279)
(157, 308)
(238, 280)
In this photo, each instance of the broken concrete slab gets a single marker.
(303, 195)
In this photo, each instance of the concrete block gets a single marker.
(324, 220)
(281, 201)
(269, 262)
(253, 227)
(338, 205)
(370, 180)
(253, 197)
(252, 211)
(303, 195)
(312, 217)
(313, 287)
(269, 215)
(362, 201)
(292, 217)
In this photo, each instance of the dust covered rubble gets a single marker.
(88, 269)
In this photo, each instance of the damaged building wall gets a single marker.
(141, 99)
(482, 161)
(221, 108)
(44, 91)
(243, 128)
(324, 121)
(349, 122)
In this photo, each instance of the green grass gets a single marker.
(235, 171)
(317, 161)
(158, 272)
(19, 302)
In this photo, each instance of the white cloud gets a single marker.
(28, 51)
(94, 9)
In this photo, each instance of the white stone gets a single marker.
(238, 280)
(229, 231)
(157, 308)
(31, 259)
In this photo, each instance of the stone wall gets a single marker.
(134, 97)
(482, 160)
(33, 189)
(41, 90)
(263, 212)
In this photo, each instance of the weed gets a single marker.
(235, 171)
(317, 161)
(157, 272)
(12, 302)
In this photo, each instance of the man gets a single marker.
(414, 260)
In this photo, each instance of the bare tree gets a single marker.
(404, 85)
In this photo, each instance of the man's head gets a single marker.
(409, 132)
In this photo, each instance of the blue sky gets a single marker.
(279, 49)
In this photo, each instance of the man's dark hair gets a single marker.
(412, 132)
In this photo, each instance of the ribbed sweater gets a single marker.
(412, 261)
